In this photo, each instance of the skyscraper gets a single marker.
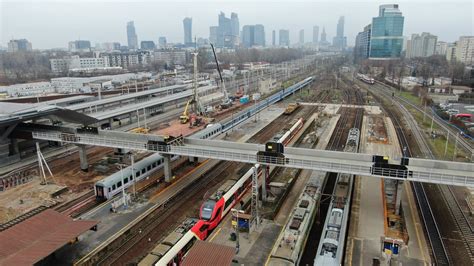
(224, 32)
(132, 38)
(213, 34)
(386, 39)
(323, 36)
(315, 34)
(284, 38)
(301, 37)
(253, 35)
(273, 38)
(162, 42)
(339, 42)
(235, 28)
(188, 31)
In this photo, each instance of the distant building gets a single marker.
(253, 35)
(20, 45)
(301, 37)
(127, 59)
(441, 48)
(323, 36)
(176, 57)
(386, 40)
(421, 45)
(362, 44)
(147, 45)
(451, 52)
(235, 28)
(225, 38)
(315, 34)
(188, 31)
(111, 46)
(273, 38)
(213, 34)
(162, 42)
(76, 63)
(339, 42)
(81, 46)
(465, 50)
(132, 38)
(29, 89)
(284, 38)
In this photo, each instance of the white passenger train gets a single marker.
(366, 78)
(112, 185)
(331, 246)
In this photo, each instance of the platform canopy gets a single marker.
(205, 253)
(34, 239)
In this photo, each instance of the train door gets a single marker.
(99, 192)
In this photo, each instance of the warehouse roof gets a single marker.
(205, 253)
(36, 238)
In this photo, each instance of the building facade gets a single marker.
(423, 45)
(284, 38)
(362, 44)
(127, 59)
(465, 50)
(147, 45)
(188, 31)
(301, 37)
(273, 38)
(451, 52)
(386, 40)
(441, 48)
(132, 39)
(213, 34)
(224, 32)
(28, 89)
(81, 46)
(21, 45)
(170, 57)
(235, 28)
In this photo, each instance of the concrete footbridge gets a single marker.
(412, 169)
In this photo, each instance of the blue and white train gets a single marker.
(112, 185)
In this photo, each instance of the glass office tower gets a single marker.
(386, 39)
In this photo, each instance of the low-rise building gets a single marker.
(28, 89)
(175, 57)
(21, 45)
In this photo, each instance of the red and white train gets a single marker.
(365, 78)
(213, 210)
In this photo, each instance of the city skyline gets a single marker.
(455, 21)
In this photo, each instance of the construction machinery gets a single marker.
(184, 118)
(240, 92)
(140, 130)
(291, 108)
(226, 102)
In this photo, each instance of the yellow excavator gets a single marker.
(184, 118)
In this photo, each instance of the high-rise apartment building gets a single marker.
(301, 37)
(188, 31)
(441, 48)
(465, 50)
(315, 34)
(386, 41)
(132, 38)
(284, 37)
(21, 45)
(162, 42)
(362, 44)
(421, 45)
(339, 42)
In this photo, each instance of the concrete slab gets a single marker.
(331, 108)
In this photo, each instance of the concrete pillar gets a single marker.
(167, 168)
(83, 158)
(130, 117)
(14, 146)
(398, 196)
(111, 121)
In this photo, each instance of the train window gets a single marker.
(125, 181)
(229, 201)
(154, 164)
(143, 170)
(130, 177)
(149, 167)
(137, 173)
(119, 184)
(113, 186)
(110, 190)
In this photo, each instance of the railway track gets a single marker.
(439, 251)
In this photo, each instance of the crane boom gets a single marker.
(226, 94)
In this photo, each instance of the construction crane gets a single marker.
(184, 118)
(226, 102)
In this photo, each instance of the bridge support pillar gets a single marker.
(398, 196)
(167, 167)
(83, 158)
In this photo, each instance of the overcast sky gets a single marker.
(51, 24)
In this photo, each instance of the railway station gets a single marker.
(311, 173)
